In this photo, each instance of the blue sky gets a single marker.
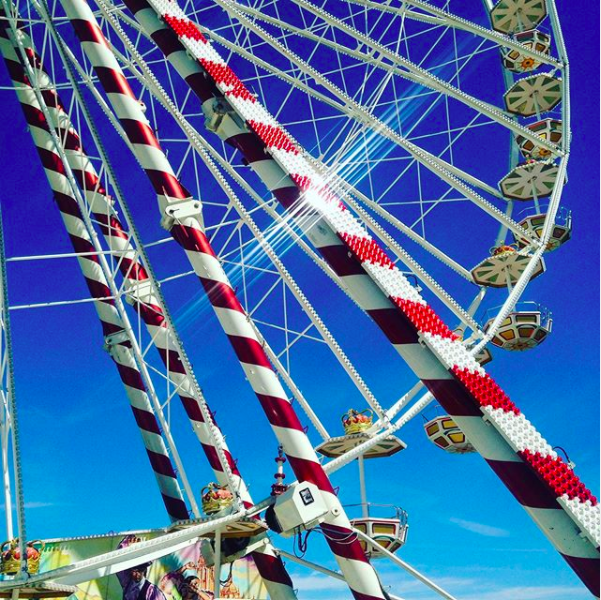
(85, 471)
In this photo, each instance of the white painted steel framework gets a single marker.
(351, 77)
(12, 482)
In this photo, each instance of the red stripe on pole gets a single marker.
(192, 239)
(34, 117)
(250, 146)
(144, 419)
(109, 328)
(16, 72)
(192, 409)
(50, 97)
(131, 377)
(176, 508)
(423, 318)
(150, 313)
(280, 412)
(172, 360)
(288, 196)
(395, 325)
(33, 59)
(221, 295)
(587, 569)
(88, 32)
(184, 27)
(249, 351)
(166, 184)
(558, 476)
(136, 5)
(485, 390)
(51, 161)
(272, 565)
(213, 458)
(161, 463)
(81, 245)
(165, 39)
(341, 261)
(139, 133)
(453, 397)
(307, 470)
(113, 81)
(340, 540)
(69, 140)
(524, 484)
(67, 204)
(88, 181)
(100, 291)
(203, 87)
(132, 270)
(112, 228)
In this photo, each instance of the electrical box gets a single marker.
(300, 507)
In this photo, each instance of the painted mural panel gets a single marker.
(182, 575)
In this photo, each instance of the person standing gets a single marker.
(133, 581)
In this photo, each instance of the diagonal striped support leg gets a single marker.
(112, 325)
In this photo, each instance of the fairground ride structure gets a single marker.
(351, 149)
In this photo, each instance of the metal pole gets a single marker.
(5, 423)
(11, 421)
(315, 567)
(6, 483)
(311, 565)
(116, 328)
(217, 567)
(364, 506)
(405, 566)
(108, 563)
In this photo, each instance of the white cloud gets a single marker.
(308, 585)
(552, 592)
(31, 505)
(480, 528)
(315, 586)
(476, 588)
(38, 504)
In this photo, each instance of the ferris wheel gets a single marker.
(311, 159)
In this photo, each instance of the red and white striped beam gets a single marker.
(187, 230)
(542, 482)
(270, 566)
(112, 325)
